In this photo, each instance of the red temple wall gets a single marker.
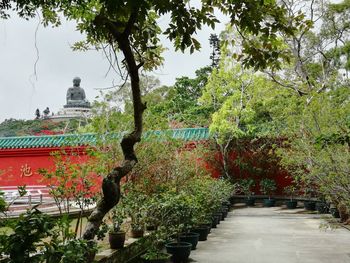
(20, 166)
(270, 169)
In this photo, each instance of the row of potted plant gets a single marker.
(268, 186)
(177, 218)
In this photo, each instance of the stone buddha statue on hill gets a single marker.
(76, 96)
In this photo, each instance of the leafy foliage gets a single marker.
(29, 230)
(180, 106)
(246, 186)
(12, 127)
(267, 186)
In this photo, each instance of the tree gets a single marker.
(180, 107)
(243, 103)
(215, 54)
(319, 51)
(130, 27)
(315, 118)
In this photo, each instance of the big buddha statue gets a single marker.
(76, 96)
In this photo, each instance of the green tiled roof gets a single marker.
(189, 134)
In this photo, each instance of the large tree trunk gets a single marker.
(111, 183)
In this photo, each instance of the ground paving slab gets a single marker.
(269, 235)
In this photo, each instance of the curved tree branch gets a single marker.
(111, 184)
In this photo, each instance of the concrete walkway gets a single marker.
(259, 235)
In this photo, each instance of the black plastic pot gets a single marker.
(215, 220)
(190, 237)
(116, 239)
(232, 200)
(310, 205)
(269, 202)
(180, 251)
(291, 204)
(250, 201)
(322, 207)
(223, 215)
(202, 231)
(335, 212)
(208, 225)
(219, 215)
(224, 212)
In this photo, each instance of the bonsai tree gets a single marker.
(267, 186)
(246, 186)
(154, 251)
(116, 234)
(291, 191)
(118, 218)
(133, 203)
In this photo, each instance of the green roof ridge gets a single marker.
(76, 139)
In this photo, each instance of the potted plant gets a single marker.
(321, 206)
(180, 251)
(154, 253)
(134, 204)
(176, 215)
(291, 191)
(116, 236)
(137, 227)
(246, 186)
(334, 211)
(309, 192)
(190, 237)
(268, 187)
(200, 221)
(152, 213)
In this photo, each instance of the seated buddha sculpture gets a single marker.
(76, 96)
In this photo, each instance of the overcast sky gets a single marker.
(21, 93)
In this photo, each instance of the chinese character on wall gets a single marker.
(26, 171)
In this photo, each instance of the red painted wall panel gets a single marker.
(20, 166)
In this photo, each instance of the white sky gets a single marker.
(21, 93)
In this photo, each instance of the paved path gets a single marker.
(259, 235)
